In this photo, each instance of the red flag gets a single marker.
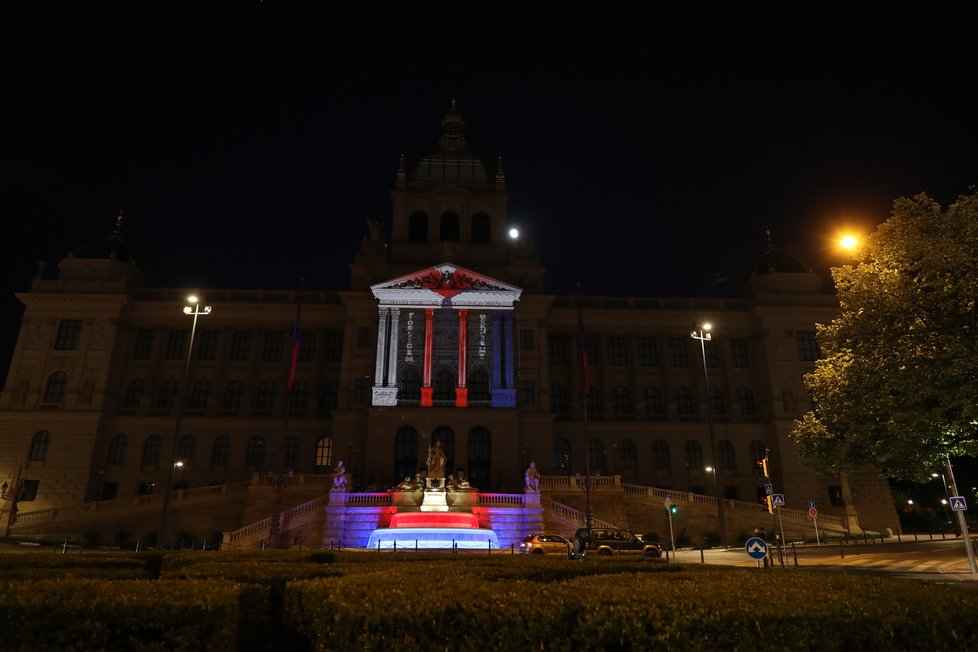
(296, 337)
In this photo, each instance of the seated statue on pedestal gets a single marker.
(532, 478)
(340, 480)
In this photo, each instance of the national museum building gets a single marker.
(446, 334)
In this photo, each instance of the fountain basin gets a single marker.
(434, 519)
(433, 538)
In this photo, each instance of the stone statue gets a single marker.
(339, 477)
(436, 462)
(532, 478)
(406, 485)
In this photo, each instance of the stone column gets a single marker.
(461, 391)
(381, 346)
(427, 393)
(392, 357)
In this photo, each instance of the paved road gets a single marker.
(939, 560)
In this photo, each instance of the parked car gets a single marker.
(612, 541)
(545, 544)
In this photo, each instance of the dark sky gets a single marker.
(645, 154)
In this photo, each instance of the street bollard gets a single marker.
(701, 556)
(794, 553)
(842, 550)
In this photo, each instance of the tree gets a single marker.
(897, 384)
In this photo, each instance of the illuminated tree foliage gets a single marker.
(897, 386)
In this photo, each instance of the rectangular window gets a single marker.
(712, 354)
(648, 354)
(240, 345)
(617, 352)
(556, 350)
(175, 344)
(528, 394)
(739, 356)
(591, 346)
(307, 346)
(144, 345)
(678, 352)
(526, 339)
(361, 391)
(807, 346)
(363, 336)
(28, 490)
(271, 350)
(69, 331)
(207, 349)
(334, 346)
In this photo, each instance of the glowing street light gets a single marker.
(704, 336)
(514, 233)
(195, 310)
(849, 242)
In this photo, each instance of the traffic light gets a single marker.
(763, 464)
(770, 505)
(673, 509)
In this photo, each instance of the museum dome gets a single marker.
(452, 160)
(112, 246)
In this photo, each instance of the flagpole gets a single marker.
(588, 515)
(278, 465)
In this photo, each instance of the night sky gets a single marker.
(247, 144)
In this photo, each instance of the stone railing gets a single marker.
(598, 482)
(57, 514)
(571, 514)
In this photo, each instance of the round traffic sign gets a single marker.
(756, 548)
(812, 512)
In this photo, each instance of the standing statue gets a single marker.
(339, 477)
(532, 478)
(436, 465)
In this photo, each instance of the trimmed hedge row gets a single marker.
(268, 600)
(85, 614)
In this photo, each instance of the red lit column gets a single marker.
(427, 393)
(461, 391)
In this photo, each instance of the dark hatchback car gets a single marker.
(610, 541)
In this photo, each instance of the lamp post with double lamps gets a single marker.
(195, 310)
(704, 336)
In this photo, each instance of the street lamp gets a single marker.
(704, 336)
(947, 496)
(195, 310)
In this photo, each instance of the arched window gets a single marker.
(725, 451)
(233, 395)
(199, 395)
(559, 404)
(418, 227)
(324, 453)
(446, 436)
(621, 402)
(222, 452)
(444, 386)
(562, 455)
(595, 451)
(746, 399)
(151, 450)
(39, 446)
(187, 448)
(117, 450)
(654, 406)
(265, 400)
(479, 386)
(299, 398)
(449, 231)
(684, 401)
(481, 228)
(410, 385)
(134, 392)
(480, 457)
(54, 391)
(255, 455)
(167, 395)
(292, 452)
(716, 401)
(628, 455)
(660, 455)
(694, 455)
(406, 452)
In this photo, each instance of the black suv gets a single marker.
(610, 541)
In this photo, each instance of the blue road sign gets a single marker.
(756, 548)
(958, 504)
(811, 503)
(768, 489)
(777, 500)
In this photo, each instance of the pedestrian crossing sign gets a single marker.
(777, 500)
(958, 504)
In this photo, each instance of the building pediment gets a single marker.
(446, 283)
